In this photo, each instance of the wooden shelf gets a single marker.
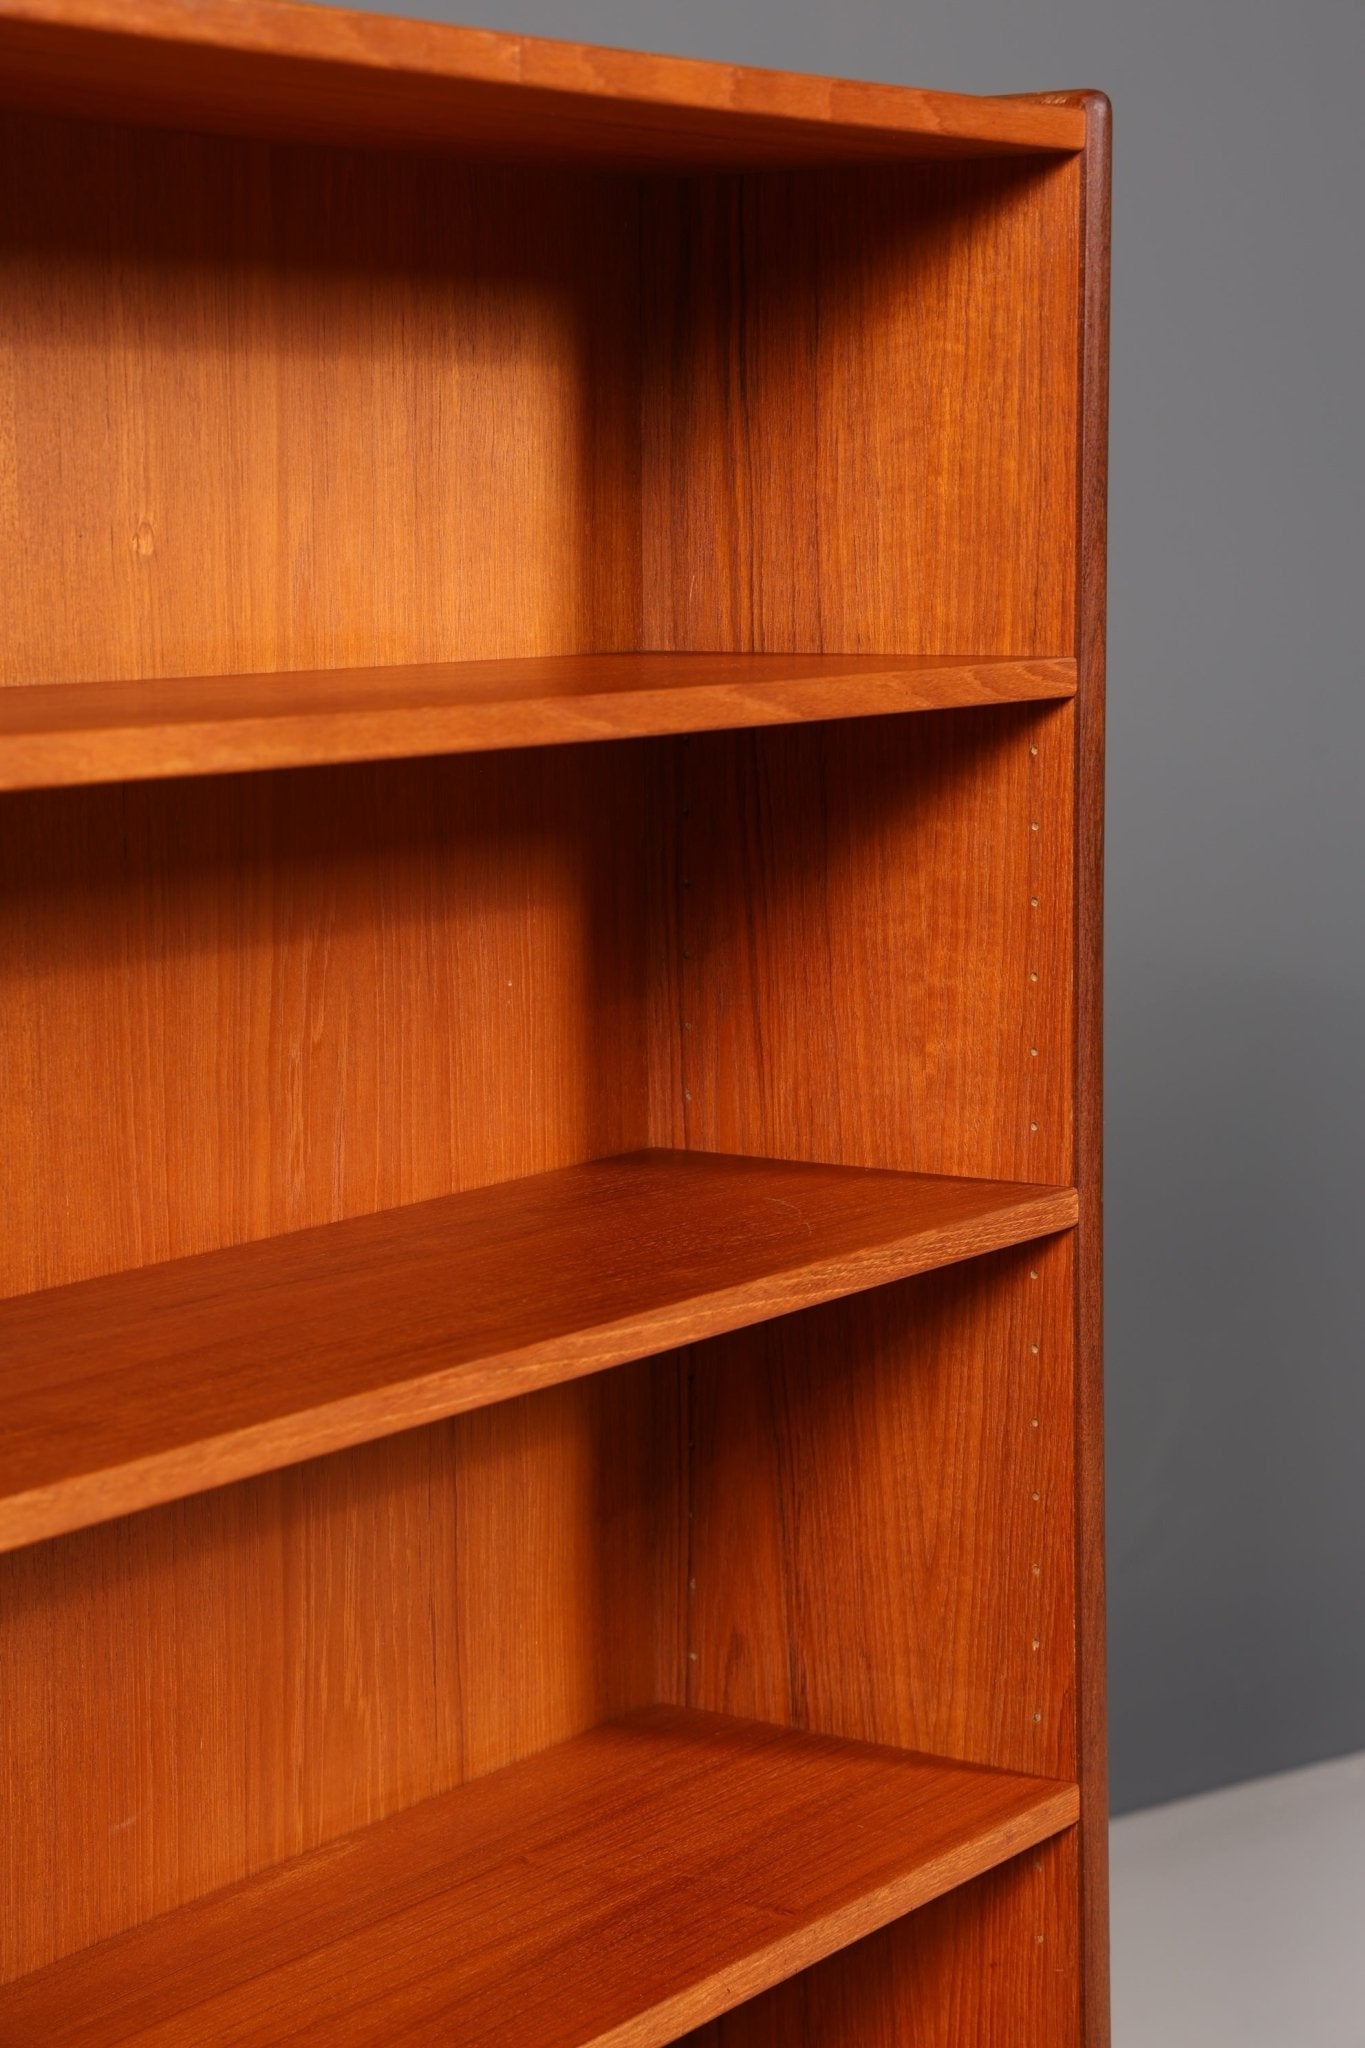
(300, 73)
(612, 1892)
(68, 733)
(167, 1380)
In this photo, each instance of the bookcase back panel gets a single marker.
(275, 406)
(244, 1005)
(286, 407)
(194, 1693)
(860, 393)
(872, 960)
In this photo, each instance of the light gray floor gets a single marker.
(1239, 1917)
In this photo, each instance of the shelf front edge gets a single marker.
(725, 1855)
(172, 1470)
(68, 735)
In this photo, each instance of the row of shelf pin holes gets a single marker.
(1035, 826)
(1035, 1422)
(1035, 830)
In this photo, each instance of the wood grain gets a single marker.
(243, 1006)
(993, 1964)
(282, 408)
(871, 959)
(1092, 557)
(265, 68)
(606, 1894)
(112, 732)
(123, 1392)
(196, 1693)
(882, 1546)
(1092, 432)
(860, 411)
(870, 953)
(879, 1507)
(407, 370)
(240, 1007)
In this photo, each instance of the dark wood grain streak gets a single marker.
(607, 1894)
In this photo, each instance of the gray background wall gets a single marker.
(1236, 937)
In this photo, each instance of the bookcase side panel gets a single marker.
(859, 410)
(882, 1536)
(883, 1545)
(873, 959)
(868, 957)
(1091, 606)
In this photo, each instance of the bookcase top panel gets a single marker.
(274, 69)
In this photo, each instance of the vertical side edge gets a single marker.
(1092, 429)
(1091, 551)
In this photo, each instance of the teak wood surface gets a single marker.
(73, 733)
(123, 1392)
(607, 1894)
(1088, 996)
(262, 67)
(370, 389)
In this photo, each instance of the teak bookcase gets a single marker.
(549, 1360)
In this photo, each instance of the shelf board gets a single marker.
(57, 734)
(305, 74)
(166, 1380)
(611, 1892)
